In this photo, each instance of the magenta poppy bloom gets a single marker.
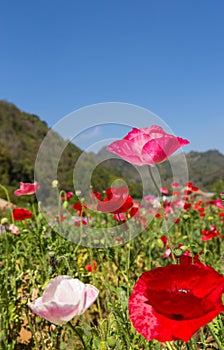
(21, 214)
(27, 188)
(173, 302)
(147, 146)
(63, 299)
(117, 201)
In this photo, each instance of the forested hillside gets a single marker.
(21, 135)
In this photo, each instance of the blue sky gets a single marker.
(163, 55)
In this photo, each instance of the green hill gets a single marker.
(21, 135)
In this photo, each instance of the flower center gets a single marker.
(176, 304)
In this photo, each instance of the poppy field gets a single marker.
(111, 271)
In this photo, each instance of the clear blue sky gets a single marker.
(163, 55)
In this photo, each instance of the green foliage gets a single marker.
(29, 260)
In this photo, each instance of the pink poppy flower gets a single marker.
(147, 146)
(164, 190)
(63, 299)
(173, 302)
(218, 203)
(27, 188)
(14, 229)
(121, 217)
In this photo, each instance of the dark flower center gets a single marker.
(177, 304)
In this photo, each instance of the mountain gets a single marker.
(21, 135)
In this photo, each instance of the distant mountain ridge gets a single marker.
(21, 135)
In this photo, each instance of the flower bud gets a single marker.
(65, 204)
(52, 327)
(103, 345)
(178, 252)
(55, 183)
(4, 221)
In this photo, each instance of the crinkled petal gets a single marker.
(129, 151)
(160, 149)
(91, 293)
(55, 312)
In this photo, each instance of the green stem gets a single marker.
(169, 346)
(32, 330)
(78, 334)
(94, 282)
(215, 337)
(163, 213)
(203, 338)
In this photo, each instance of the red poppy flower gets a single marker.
(209, 234)
(194, 189)
(95, 194)
(147, 146)
(67, 196)
(21, 214)
(80, 208)
(197, 205)
(164, 239)
(134, 211)
(60, 218)
(175, 184)
(187, 192)
(176, 194)
(27, 188)
(187, 206)
(176, 220)
(117, 201)
(91, 267)
(173, 302)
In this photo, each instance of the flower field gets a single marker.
(156, 283)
